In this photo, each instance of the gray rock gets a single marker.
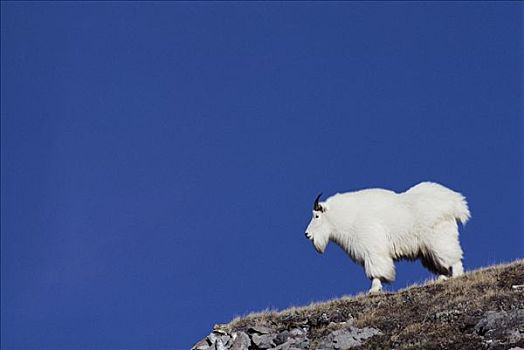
(283, 346)
(281, 338)
(294, 339)
(301, 344)
(343, 339)
(202, 345)
(224, 339)
(489, 321)
(297, 339)
(297, 332)
(260, 330)
(367, 332)
(292, 342)
(212, 338)
(239, 341)
(347, 338)
(498, 327)
(499, 320)
(220, 344)
(264, 341)
(514, 335)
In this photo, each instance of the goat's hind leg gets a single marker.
(457, 269)
(446, 253)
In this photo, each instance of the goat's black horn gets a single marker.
(317, 206)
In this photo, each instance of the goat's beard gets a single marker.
(321, 242)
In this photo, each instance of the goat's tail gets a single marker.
(461, 211)
(442, 200)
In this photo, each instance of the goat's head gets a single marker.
(318, 230)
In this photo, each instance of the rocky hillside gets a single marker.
(483, 309)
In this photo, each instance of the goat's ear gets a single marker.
(322, 208)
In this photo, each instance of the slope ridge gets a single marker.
(483, 309)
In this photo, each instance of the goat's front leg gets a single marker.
(376, 286)
(379, 267)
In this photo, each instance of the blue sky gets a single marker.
(159, 160)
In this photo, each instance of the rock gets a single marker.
(347, 338)
(202, 345)
(225, 339)
(498, 327)
(489, 321)
(281, 337)
(296, 332)
(343, 339)
(239, 341)
(300, 344)
(368, 332)
(212, 338)
(497, 320)
(260, 330)
(283, 346)
(220, 344)
(263, 341)
(514, 335)
(291, 340)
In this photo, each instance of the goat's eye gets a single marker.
(316, 216)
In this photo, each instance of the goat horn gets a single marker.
(317, 206)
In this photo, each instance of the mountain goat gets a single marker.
(377, 226)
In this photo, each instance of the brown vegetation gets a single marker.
(437, 315)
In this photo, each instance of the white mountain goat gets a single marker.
(376, 227)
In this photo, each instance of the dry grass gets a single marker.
(437, 312)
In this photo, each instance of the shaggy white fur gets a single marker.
(376, 227)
